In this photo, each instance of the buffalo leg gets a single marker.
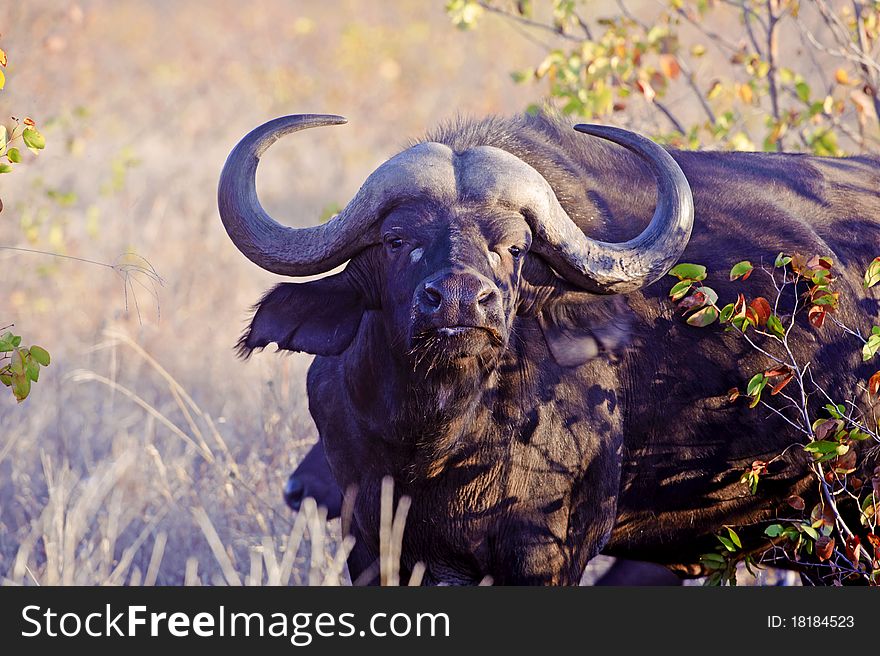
(312, 478)
(363, 566)
(632, 572)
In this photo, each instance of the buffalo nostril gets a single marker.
(294, 492)
(433, 297)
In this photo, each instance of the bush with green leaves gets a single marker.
(836, 431)
(737, 74)
(19, 366)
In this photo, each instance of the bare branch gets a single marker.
(529, 22)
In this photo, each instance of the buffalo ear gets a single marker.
(320, 317)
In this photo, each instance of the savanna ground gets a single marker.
(148, 453)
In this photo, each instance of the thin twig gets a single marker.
(528, 21)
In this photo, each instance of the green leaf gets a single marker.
(756, 384)
(726, 313)
(827, 299)
(803, 91)
(727, 543)
(741, 269)
(5, 168)
(680, 289)
(774, 530)
(21, 387)
(32, 369)
(822, 447)
(40, 354)
(17, 364)
(688, 272)
(781, 260)
(836, 411)
(14, 155)
(774, 325)
(713, 560)
(809, 530)
(869, 350)
(734, 537)
(33, 139)
(6, 342)
(872, 275)
(704, 317)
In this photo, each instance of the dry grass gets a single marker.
(148, 454)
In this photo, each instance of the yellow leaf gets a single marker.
(745, 93)
(669, 66)
(828, 104)
(2, 57)
(841, 76)
(714, 90)
(2, 80)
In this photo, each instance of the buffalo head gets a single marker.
(449, 246)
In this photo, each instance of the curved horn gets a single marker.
(282, 249)
(609, 268)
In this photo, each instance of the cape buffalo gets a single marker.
(501, 344)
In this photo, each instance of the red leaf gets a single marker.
(828, 428)
(796, 502)
(853, 549)
(733, 394)
(822, 515)
(798, 263)
(874, 541)
(817, 316)
(874, 384)
(752, 315)
(817, 262)
(781, 370)
(695, 300)
(762, 309)
(824, 548)
(777, 388)
(845, 464)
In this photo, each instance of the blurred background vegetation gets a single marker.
(148, 453)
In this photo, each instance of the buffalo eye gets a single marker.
(516, 251)
(395, 243)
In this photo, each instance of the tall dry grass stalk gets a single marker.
(102, 529)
